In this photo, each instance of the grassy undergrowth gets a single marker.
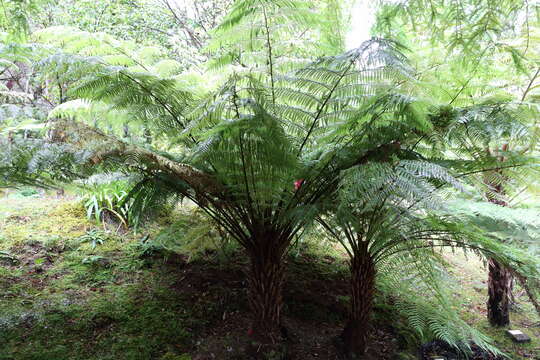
(73, 289)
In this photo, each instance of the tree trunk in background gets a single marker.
(499, 294)
(499, 278)
(356, 332)
(265, 279)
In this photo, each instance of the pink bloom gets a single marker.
(298, 184)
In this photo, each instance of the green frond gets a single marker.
(149, 99)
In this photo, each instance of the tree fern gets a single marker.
(391, 210)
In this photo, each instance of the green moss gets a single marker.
(66, 220)
(132, 322)
(52, 221)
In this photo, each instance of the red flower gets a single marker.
(298, 184)
(250, 332)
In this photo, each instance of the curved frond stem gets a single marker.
(460, 244)
(159, 100)
(336, 236)
(270, 56)
(529, 86)
(323, 105)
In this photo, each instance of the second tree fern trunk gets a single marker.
(499, 289)
(499, 277)
(356, 332)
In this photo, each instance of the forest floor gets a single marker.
(72, 289)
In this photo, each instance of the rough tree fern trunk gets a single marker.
(265, 280)
(356, 332)
(499, 280)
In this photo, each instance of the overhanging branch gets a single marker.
(81, 135)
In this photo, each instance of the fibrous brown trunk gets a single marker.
(356, 332)
(499, 294)
(499, 278)
(265, 280)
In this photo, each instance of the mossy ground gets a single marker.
(74, 289)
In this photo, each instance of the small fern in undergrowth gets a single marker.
(106, 204)
(94, 260)
(105, 198)
(93, 237)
